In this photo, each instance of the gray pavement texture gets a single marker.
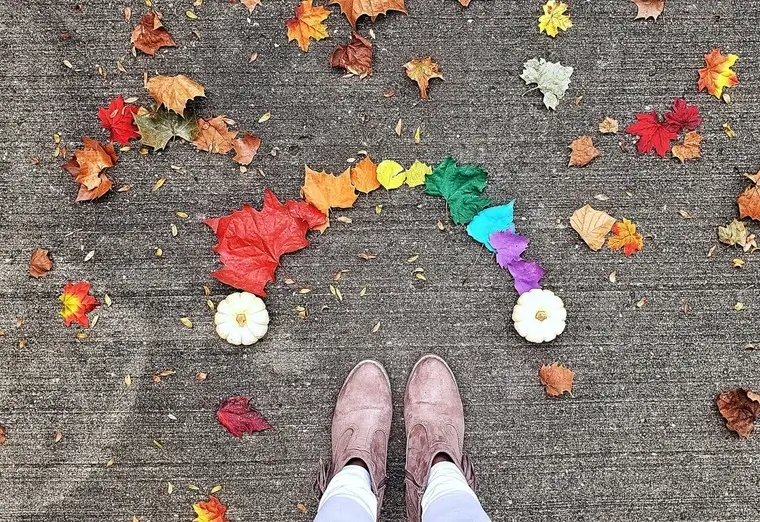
(639, 440)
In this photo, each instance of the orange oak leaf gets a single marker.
(354, 9)
(88, 166)
(690, 148)
(749, 200)
(355, 56)
(251, 4)
(307, 23)
(556, 378)
(246, 148)
(149, 35)
(214, 136)
(364, 176)
(76, 301)
(583, 152)
(40, 263)
(173, 92)
(625, 237)
(326, 191)
(211, 510)
(649, 8)
(740, 408)
(422, 70)
(717, 73)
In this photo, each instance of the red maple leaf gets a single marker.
(653, 133)
(683, 116)
(251, 242)
(120, 120)
(76, 301)
(238, 417)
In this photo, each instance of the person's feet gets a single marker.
(434, 419)
(361, 426)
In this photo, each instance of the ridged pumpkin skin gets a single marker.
(539, 316)
(242, 318)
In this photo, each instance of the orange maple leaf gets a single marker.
(717, 74)
(307, 23)
(173, 92)
(326, 191)
(625, 237)
(88, 165)
(354, 9)
(422, 70)
(364, 176)
(749, 200)
(214, 136)
(211, 510)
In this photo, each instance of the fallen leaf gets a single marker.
(398, 127)
(40, 263)
(592, 225)
(653, 134)
(238, 417)
(326, 191)
(307, 23)
(422, 70)
(551, 78)
(740, 408)
(76, 302)
(683, 116)
(649, 8)
(749, 200)
(554, 18)
(583, 152)
(735, 233)
(390, 174)
(608, 126)
(88, 167)
(119, 120)
(251, 4)
(251, 242)
(149, 35)
(157, 128)
(717, 73)
(415, 175)
(246, 148)
(690, 148)
(364, 176)
(2, 435)
(355, 9)
(556, 378)
(355, 56)
(173, 92)
(211, 510)
(214, 136)
(490, 220)
(625, 237)
(728, 130)
(460, 186)
(510, 247)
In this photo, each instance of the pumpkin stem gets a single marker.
(542, 316)
(240, 319)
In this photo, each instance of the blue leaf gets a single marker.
(490, 220)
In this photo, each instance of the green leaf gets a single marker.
(157, 128)
(461, 187)
(551, 78)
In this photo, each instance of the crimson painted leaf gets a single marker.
(652, 133)
(461, 187)
(683, 116)
(252, 241)
(119, 119)
(238, 417)
(510, 247)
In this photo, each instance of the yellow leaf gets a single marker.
(390, 174)
(717, 73)
(415, 175)
(173, 92)
(592, 225)
(554, 18)
(307, 23)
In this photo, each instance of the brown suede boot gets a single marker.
(361, 426)
(434, 419)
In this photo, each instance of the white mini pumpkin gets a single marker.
(539, 315)
(241, 318)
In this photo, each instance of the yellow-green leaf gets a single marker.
(415, 175)
(390, 174)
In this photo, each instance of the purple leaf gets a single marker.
(509, 249)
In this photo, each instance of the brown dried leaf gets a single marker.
(649, 8)
(740, 408)
(40, 263)
(251, 4)
(174, 92)
(214, 136)
(735, 233)
(592, 225)
(690, 148)
(557, 379)
(608, 126)
(2, 435)
(422, 70)
(355, 56)
(583, 152)
(749, 200)
(149, 35)
(246, 148)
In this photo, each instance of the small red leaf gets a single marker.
(120, 120)
(653, 133)
(238, 417)
(683, 116)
